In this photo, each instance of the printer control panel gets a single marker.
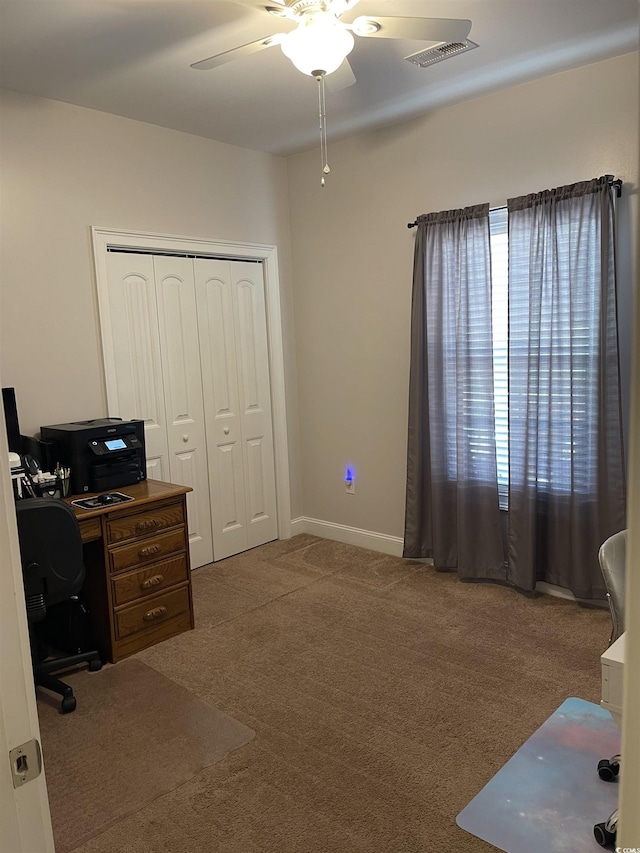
(111, 446)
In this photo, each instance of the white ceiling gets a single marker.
(132, 57)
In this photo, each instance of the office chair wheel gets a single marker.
(603, 836)
(608, 769)
(68, 704)
(605, 833)
(95, 665)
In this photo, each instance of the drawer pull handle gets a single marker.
(147, 524)
(153, 581)
(150, 550)
(156, 613)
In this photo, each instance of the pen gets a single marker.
(28, 486)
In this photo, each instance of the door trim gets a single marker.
(24, 811)
(105, 238)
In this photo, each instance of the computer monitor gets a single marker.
(11, 418)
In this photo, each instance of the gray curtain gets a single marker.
(452, 511)
(566, 468)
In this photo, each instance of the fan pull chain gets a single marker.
(323, 126)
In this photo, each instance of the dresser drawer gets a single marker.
(148, 550)
(90, 529)
(150, 580)
(147, 614)
(143, 523)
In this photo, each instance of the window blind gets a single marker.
(500, 321)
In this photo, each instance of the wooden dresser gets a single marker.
(138, 582)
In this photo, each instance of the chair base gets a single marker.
(605, 833)
(609, 768)
(43, 676)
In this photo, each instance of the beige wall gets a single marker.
(629, 831)
(64, 168)
(353, 254)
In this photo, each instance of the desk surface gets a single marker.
(142, 493)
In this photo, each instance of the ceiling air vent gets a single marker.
(437, 54)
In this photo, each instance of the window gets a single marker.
(500, 321)
(514, 399)
(567, 354)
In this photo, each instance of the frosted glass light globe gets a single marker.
(321, 44)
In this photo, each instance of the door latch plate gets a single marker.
(26, 762)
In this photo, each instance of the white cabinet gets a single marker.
(612, 666)
(187, 338)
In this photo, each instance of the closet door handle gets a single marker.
(226, 430)
(185, 438)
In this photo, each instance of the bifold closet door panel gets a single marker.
(188, 338)
(255, 401)
(216, 328)
(131, 346)
(180, 355)
(237, 398)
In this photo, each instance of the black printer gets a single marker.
(103, 454)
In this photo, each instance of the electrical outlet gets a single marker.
(350, 481)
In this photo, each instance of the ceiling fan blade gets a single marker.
(420, 29)
(237, 52)
(342, 78)
(281, 12)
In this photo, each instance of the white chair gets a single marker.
(612, 557)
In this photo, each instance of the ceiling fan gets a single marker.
(320, 42)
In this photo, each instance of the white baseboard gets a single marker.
(381, 542)
(560, 592)
(552, 589)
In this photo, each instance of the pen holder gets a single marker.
(64, 484)
(47, 488)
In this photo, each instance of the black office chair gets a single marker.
(612, 557)
(53, 572)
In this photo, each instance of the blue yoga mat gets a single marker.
(549, 795)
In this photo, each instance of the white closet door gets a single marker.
(135, 349)
(235, 381)
(180, 354)
(214, 299)
(255, 402)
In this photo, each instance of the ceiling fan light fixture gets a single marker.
(365, 26)
(318, 45)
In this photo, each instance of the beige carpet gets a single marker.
(384, 696)
(134, 736)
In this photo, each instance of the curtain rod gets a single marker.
(617, 183)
